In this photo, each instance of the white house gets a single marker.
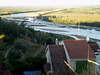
(55, 59)
(70, 51)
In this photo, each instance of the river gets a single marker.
(62, 29)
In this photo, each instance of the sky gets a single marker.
(47, 2)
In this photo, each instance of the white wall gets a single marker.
(67, 55)
(48, 56)
(49, 59)
(73, 64)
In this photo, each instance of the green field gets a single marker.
(10, 10)
(83, 16)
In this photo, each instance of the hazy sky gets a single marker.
(47, 2)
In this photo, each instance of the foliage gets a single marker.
(19, 43)
(40, 37)
(15, 10)
(43, 38)
(13, 53)
(86, 68)
(84, 16)
(28, 64)
(1, 58)
(91, 69)
(50, 41)
(37, 61)
(0, 19)
(7, 72)
(91, 20)
(9, 39)
(13, 30)
(39, 16)
(80, 66)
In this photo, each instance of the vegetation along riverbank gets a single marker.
(83, 16)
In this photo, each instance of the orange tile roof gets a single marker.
(58, 56)
(78, 49)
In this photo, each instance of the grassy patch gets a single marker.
(80, 66)
(5, 16)
(33, 50)
(84, 16)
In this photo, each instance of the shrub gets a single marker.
(23, 46)
(13, 53)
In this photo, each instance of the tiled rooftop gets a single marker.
(58, 56)
(78, 49)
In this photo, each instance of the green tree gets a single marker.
(36, 63)
(2, 60)
(40, 37)
(21, 45)
(39, 16)
(13, 53)
(50, 41)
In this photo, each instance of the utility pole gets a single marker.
(78, 27)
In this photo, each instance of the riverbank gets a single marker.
(90, 20)
(56, 28)
(64, 29)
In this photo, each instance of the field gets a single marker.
(10, 10)
(89, 16)
(83, 16)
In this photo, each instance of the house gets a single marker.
(70, 51)
(55, 59)
(96, 49)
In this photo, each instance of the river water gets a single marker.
(62, 29)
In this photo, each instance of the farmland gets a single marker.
(83, 16)
(10, 10)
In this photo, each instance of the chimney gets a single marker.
(87, 39)
(56, 42)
